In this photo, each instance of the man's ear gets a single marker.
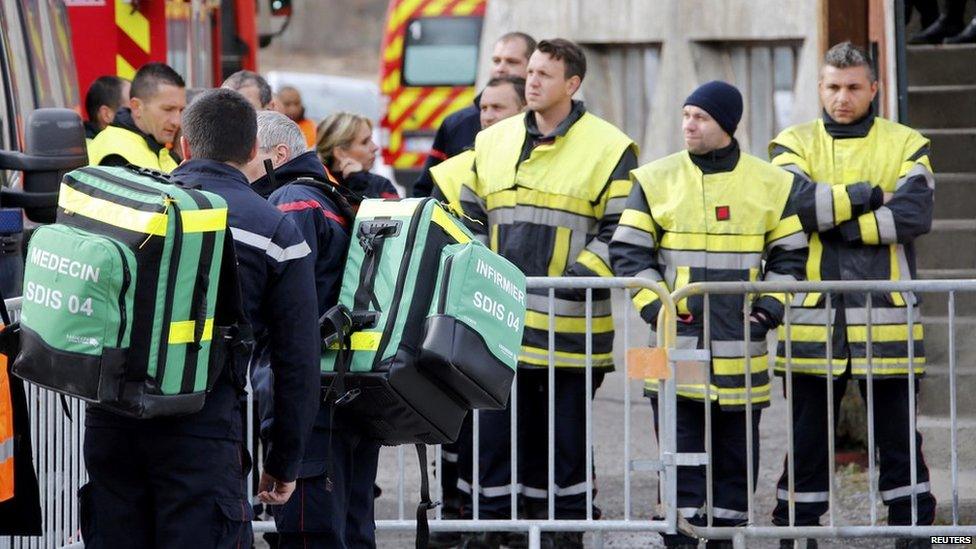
(254, 152)
(573, 85)
(105, 115)
(136, 105)
(281, 154)
(185, 149)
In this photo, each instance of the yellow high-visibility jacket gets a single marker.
(878, 245)
(550, 204)
(450, 175)
(131, 146)
(744, 222)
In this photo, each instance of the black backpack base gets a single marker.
(402, 406)
(458, 356)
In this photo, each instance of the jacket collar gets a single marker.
(858, 128)
(532, 128)
(123, 119)
(305, 165)
(719, 160)
(202, 171)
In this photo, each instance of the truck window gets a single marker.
(57, 42)
(20, 93)
(45, 80)
(441, 51)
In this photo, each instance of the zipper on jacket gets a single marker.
(126, 280)
(442, 299)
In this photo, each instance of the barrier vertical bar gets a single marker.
(831, 456)
(589, 404)
(954, 457)
(49, 468)
(790, 442)
(869, 355)
(249, 444)
(913, 458)
(627, 296)
(551, 410)
(439, 467)
(513, 446)
(400, 464)
(746, 344)
(475, 466)
(707, 345)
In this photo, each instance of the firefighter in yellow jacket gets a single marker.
(503, 96)
(850, 143)
(548, 192)
(139, 134)
(715, 213)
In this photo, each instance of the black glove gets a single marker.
(650, 311)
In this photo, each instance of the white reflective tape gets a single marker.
(601, 249)
(449, 457)
(649, 274)
(736, 349)
(825, 206)
(489, 491)
(274, 251)
(6, 449)
(729, 514)
(773, 276)
(886, 225)
(634, 237)
(803, 497)
(541, 493)
(795, 241)
(688, 512)
(904, 491)
(567, 307)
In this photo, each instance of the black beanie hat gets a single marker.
(722, 101)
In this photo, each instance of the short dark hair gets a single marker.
(846, 55)
(150, 76)
(525, 38)
(221, 125)
(107, 91)
(243, 79)
(516, 82)
(568, 52)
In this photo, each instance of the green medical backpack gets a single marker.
(120, 295)
(429, 323)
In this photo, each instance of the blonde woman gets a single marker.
(344, 142)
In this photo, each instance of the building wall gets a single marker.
(646, 56)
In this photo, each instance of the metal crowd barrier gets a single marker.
(665, 464)
(832, 529)
(57, 440)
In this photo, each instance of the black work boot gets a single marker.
(445, 540)
(935, 33)
(967, 36)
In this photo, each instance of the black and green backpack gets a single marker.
(120, 294)
(429, 324)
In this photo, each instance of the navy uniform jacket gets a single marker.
(367, 184)
(326, 229)
(455, 135)
(277, 287)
